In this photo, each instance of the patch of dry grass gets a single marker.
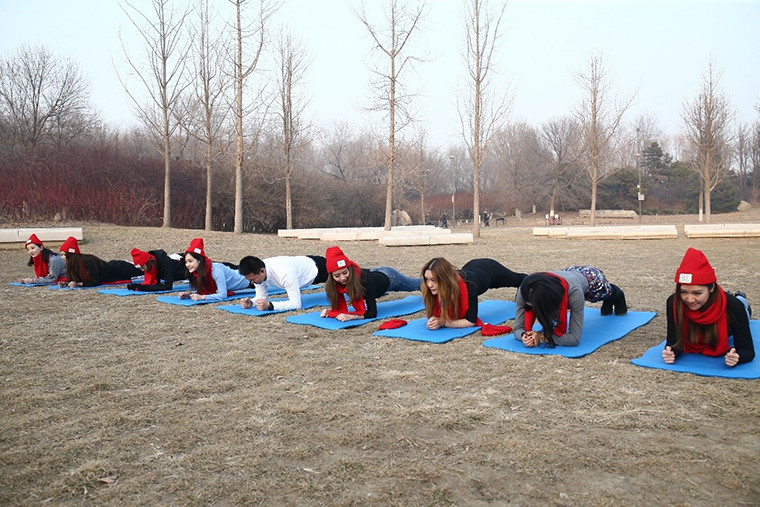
(130, 401)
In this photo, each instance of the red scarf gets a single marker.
(464, 304)
(151, 277)
(41, 268)
(210, 283)
(714, 314)
(358, 304)
(561, 327)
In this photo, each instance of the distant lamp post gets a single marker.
(639, 195)
(453, 193)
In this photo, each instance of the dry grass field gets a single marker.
(128, 401)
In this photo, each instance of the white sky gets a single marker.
(660, 48)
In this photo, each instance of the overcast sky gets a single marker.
(657, 49)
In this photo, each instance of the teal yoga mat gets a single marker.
(492, 312)
(598, 330)
(702, 365)
(385, 310)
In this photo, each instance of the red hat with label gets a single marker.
(695, 269)
(70, 246)
(196, 246)
(34, 239)
(336, 259)
(139, 257)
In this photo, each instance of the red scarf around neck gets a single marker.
(151, 277)
(464, 304)
(41, 268)
(358, 304)
(714, 314)
(561, 328)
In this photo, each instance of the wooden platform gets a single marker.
(428, 239)
(722, 230)
(610, 232)
(359, 233)
(51, 234)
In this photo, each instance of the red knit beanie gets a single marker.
(139, 257)
(70, 245)
(34, 239)
(196, 246)
(695, 269)
(336, 259)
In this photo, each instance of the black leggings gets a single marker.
(490, 274)
(321, 263)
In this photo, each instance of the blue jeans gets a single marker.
(399, 281)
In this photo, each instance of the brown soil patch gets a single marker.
(130, 401)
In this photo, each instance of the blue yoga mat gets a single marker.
(126, 292)
(385, 310)
(492, 312)
(102, 286)
(19, 284)
(597, 331)
(705, 366)
(307, 301)
(175, 300)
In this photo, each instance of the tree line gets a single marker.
(224, 143)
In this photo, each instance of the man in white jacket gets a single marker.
(284, 272)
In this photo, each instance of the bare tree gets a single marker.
(707, 124)
(417, 170)
(516, 151)
(205, 115)
(483, 113)
(562, 142)
(162, 32)
(349, 156)
(600, 120)
(293, 64)
(391, 41)
(42, 99)
(755, 157)
(743, 150)
(245, 64)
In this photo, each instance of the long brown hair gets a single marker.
(77, 266)
(200, 282)
(354, 288)
(695, 331)
(447, 278)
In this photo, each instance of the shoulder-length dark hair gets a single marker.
(447, 278)
(543, 293)
(696, 332)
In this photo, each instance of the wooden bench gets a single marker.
(722, 230)
(428, 239)
(46, 234)
(612, 232)
(608, 213)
